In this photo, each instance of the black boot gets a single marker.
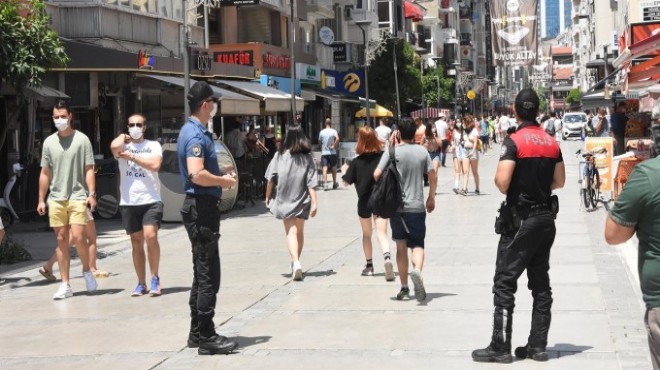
(216, 345)
(193, 340)
(536, 354)
(499, 349)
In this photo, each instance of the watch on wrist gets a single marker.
(92, 194)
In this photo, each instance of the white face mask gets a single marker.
(61, 123)
(214, 110)
(135, 132)
(460, 125)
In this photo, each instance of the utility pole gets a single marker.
(396, 79)
(292, 46)
(186, 61)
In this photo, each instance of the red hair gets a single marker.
(368, 142)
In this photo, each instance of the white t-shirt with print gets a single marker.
(138, 185)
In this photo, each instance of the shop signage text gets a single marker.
(202, 62)
(308, 72)
(276, 61)
(340, 53)
(244, 58)
(239, 2)
(145, 61)
(349, 83)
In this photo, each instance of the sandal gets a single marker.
(101, 274)
(47, 274)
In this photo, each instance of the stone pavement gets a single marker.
(335, 318)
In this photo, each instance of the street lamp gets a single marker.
(362, 24)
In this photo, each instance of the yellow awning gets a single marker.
(377, 111)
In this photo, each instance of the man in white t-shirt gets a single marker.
(441, 127)
(329, 138)
(383, 131)
(141, 205)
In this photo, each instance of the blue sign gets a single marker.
(348, 83)
(280, 83)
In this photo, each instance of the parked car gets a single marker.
(573, 124)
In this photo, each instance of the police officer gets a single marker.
(203, 182)
(530, 168)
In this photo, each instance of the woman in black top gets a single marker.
(360, 172)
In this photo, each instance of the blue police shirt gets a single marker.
(196, 141)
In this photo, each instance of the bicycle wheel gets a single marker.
(585, 194)
(595, 190)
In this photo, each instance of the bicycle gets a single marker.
(590, 179)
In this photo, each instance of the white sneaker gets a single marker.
(297, 271)
(63, 292)
(90, 281)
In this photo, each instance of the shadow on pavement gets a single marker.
(251, 341)
(25, 282)
(567, 349)
(174, 290)
(313, 274)
(432, 296)
(98, 292)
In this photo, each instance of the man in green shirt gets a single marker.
(637, 210)
(67, 170)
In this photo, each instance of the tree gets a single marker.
(28, 49)
(381, 75)
(573, 97)
(543, 101)
(446, 92)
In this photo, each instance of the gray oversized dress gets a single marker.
(295, 175)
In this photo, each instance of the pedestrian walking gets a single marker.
(67, 171)
(46, 269)
(442, 128)
(618, 121)
(460, 157)
(601, 124)
(140, 202)
(483, 131)
(637, 211)
(471, 146)
(420, 131)
(383, 131)
(530, 168)
(432, 143)
(329, 138)
(409, 224)
(369, 150)
(203, 181)
(293, 173)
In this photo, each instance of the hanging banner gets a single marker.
(514, 28)
(490, 66)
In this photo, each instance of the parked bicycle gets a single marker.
(589, 178)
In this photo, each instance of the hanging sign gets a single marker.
(514, 28)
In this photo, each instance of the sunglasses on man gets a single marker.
(135, 124)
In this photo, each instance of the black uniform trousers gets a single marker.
(528, 248)
(201, 218)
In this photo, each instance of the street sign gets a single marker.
(471, 94)
(326, 35)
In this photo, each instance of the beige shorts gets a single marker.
(67, 212)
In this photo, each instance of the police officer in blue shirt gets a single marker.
(203, 182)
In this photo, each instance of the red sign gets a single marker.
(244, 58)
(145, 61)
(275, 61)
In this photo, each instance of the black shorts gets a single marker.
(364, 211)
(133, 218)
(329, 160)
(409, 227)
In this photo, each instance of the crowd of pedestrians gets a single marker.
(527, 173)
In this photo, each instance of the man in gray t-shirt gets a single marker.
(409, 223)
(329, 138)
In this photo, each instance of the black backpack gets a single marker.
(550, 127)
(386, 196)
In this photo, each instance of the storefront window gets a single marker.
(125, 2)
(151, 110)
(165, 8)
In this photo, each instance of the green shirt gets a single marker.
(638, 206)
(66, 157)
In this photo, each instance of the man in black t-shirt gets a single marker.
(530, 167)
(618, 122)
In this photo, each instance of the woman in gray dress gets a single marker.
(293, 173)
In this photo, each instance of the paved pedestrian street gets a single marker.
(335, 318)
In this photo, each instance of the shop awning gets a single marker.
(646, 70)
(377, 111)
(274, 100)
(46, 92)
(413, 11)
(597, 99)
(336, 96)
(231, 103)
(430, 113)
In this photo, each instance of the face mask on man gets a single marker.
(61, 123)
(135, 132)
(214, 110)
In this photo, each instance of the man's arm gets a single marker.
(117, 145)
(433, 183)
(615, 233)
(201, 177)
(559, 176)
(90, 179)
(151, 163)
(504, 174)
(44, 182)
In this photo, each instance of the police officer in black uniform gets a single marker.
(530, 168)
(203, 181)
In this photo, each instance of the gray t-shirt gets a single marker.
(328, 137)
(412, 162)
(295, 174)
(66, 157)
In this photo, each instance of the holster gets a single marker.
(508, 219)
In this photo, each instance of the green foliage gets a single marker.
(12, 251)
(446, 87)
(543, 101)
(574, 96)
(381, 75)
(29, 46)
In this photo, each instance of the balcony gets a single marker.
(321, 7)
